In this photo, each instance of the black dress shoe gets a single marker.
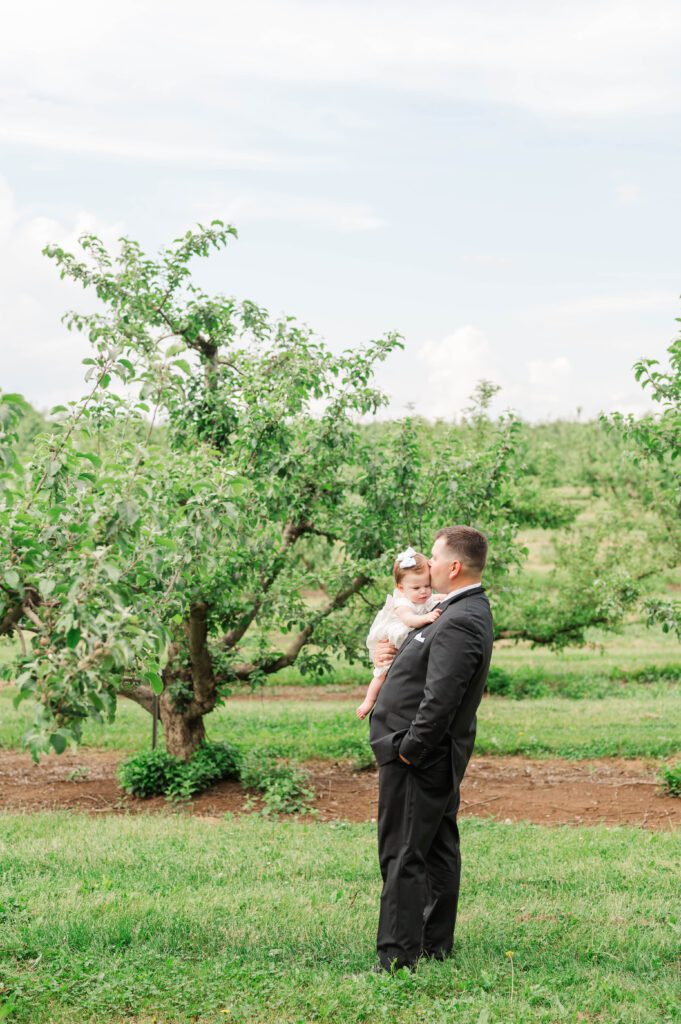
(437, 954)
(393, 967)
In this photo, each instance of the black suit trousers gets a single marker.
(418, 852)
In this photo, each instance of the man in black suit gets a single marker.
(422, 734)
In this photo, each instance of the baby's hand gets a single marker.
(433, 616)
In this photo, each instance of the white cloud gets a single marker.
(485, 260)
(40, 358)
(548, 373)
(152, 81)
(139, 148)
(624, 302)
(437, 378)
(631, 402)
(627, 194)
(337, 215)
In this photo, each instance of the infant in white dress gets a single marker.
(411, 605)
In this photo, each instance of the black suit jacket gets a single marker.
(428, 702)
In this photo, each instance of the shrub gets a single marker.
(499, 681)
(670, 777)
(147, 774)
(651, 674)
(210, 763)
(155, 772)
(284, 785)
(526, 684)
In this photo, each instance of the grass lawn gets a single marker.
(644, 726)
(248, 920)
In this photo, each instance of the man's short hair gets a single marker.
(467, 545)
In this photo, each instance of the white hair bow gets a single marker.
(406, 559)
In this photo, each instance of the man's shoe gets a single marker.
(438, 954)
(393, 967)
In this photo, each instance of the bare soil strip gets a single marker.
(551, 792)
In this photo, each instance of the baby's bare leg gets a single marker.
(371, 694)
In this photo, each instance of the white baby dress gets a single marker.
(389, 626)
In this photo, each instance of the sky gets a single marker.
(499, 182)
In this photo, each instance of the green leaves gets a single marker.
(73, 637)
(129, 511)
(183, 365)
(58, 742)
(12, 578)
(154, 680)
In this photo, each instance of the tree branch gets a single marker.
(244, 672)
(200, 343)
(13, 615)
(10, 619)
(30, 614)
(545, 638)
(290, 535)
(142, 695)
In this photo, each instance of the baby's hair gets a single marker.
(399, 573)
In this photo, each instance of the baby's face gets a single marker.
(416, 586)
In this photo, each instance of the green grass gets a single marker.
(643, 726)
(178, 920)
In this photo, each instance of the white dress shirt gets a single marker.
(460, 590)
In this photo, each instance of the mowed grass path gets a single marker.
(648, 725)
(180, 919)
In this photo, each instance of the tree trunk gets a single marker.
(183, 729)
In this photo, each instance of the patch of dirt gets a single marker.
(555, 792)
(303, 693)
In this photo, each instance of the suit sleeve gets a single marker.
(454, 657)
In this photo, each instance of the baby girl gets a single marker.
(411, 606)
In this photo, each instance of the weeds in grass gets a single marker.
(6, 1010)
(284, 786)
(670, 777)
(509, 954)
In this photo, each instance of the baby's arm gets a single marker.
(411, 619)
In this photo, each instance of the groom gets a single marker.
(422, 734)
